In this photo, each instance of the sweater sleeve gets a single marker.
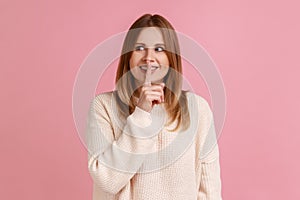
(210, 185)
(208, 166)
(112, 163)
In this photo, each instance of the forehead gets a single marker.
(150, 36)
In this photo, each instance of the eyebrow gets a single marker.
(154, 45)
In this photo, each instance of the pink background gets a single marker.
(255, 45)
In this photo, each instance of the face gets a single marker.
(149, 47)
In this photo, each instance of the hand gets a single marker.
(150, 94)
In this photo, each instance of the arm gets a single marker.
(210, 185)
(121, 154)
(208, 166)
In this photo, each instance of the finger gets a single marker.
(158, 88)
(148, 75)
(154, 87)
(156, 98)
(157, 93)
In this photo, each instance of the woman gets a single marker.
(132, 132)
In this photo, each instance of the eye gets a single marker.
(159, 49)
(139, 48)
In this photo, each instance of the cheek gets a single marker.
(164, 60)
(135, 58)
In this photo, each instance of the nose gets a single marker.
(149, 55)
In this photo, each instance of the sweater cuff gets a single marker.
(143, 125)
(141, 118)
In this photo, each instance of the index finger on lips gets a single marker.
(148, 75)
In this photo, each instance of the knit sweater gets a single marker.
(139, 158)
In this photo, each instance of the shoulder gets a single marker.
(201, 103)
(206, 140)
(102, 100)
(104, 97)
(190, 95)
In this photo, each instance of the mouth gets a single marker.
(145, 67)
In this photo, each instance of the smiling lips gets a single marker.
(144, 68)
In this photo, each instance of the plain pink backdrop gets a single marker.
(255, 45)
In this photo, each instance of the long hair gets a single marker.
(175, 98)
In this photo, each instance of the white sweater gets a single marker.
(135, 158)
